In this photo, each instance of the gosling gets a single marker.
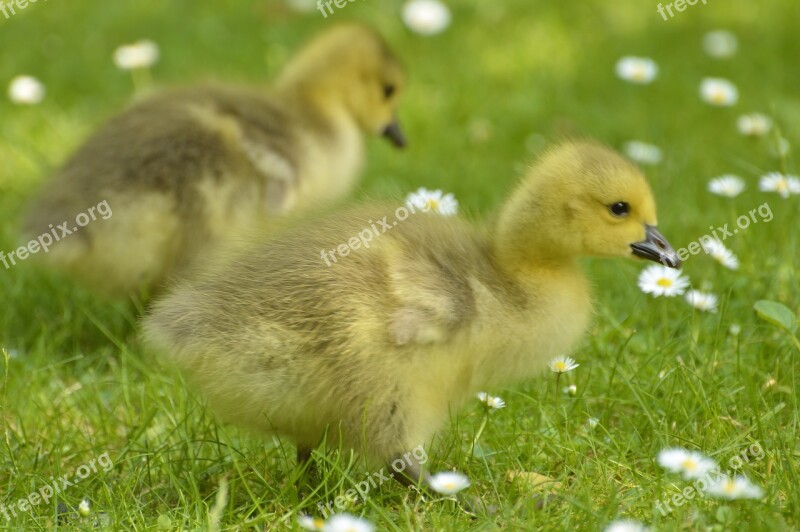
(190, 167)
(379, 347)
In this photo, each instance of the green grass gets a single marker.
(655, 373)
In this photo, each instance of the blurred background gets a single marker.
(490, 84)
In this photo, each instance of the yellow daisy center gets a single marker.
(432, 203)
(730, 487)
(719, 96)
(639, 72)
(689, 464)
(782, 185)
(560, 366)
(664, 282)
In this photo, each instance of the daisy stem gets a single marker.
(558, 378)
(478, 433)
(141, 79)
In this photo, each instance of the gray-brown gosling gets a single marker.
(191, 166)
(379, 347)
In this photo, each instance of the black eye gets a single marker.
(388, 91)
(620, 208)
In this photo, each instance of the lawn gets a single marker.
(80, 398)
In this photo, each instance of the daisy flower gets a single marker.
(449, 482)
(641, 70)
(434, 201)
(562, 364)
(720, 44)
(726, 185)
(690, 464)
(307, 522)
(754, 125)
(625, 525)
(704, 301)
(426, 17)
(494, 403)
(83, 508)
(721, 254)
(348, 523)
(780, 183)
(25, 90)
(738, 487)
(660, 281)
(142, 54)
(571, 390)
(719, 92)
(643, 153)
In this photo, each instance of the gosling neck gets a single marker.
(524, 244)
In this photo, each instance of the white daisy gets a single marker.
(83, 508)
(434, 201)
(721, 254)
(704, 301)
(426, 17)
(660, 281)
(348, 523)
(562, 364)
(307, 522)
(142, 54)
(25, 90)
(592, 422)
(449, 482)
(780, 183)
(494, 403)
(720, 44)
(641, 70)
(719, 92)
(642, 152)
(726, 185)
(690, 464)
(738, 487)
(625, 525)
(754, 125)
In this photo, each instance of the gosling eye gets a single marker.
(388, 90)
(619, 208)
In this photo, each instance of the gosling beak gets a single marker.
(395, 134)
(656, 248)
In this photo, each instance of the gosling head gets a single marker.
(582, 198)
(352, 66)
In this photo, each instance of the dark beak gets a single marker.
(656, 248)
(395, 134)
